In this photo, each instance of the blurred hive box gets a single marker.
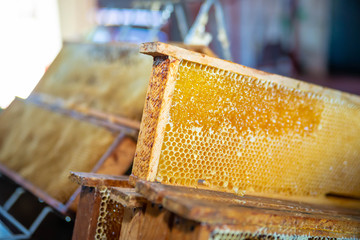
(210, 123)
(156, 211)
(204, 214)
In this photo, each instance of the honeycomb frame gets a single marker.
(110, 217)
(311, 103)
(107, 81)
(38, 132)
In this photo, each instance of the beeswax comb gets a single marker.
(210, 123)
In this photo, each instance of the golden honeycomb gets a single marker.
(110, 217)
(104, 77)
(236, 133)
(43, 147)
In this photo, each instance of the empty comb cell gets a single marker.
(210, 123)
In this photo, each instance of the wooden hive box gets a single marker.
(157, 211)
(207, 215)
(110, 208)
(99, 216)
(210, 123)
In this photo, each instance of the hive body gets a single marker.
(231, 128)
(203, 214)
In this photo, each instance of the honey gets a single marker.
(243, 133)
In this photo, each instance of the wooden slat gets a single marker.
(87, 214)
(98, 180)
(128, 197)
(249, 213)
(155, 224)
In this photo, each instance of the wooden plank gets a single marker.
(196, 48)
(87, 214)
(103, 77)
(155, 224)
(120, 158)
(98, 180)
(213, 124)
(184, 229)
(156, 192)
(161, 49)
(156, 105)
(127, 197)
(251, 214)
(131, 225)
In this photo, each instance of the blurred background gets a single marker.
(315, 41)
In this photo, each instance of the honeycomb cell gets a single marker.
(110, 217)
(238, 133)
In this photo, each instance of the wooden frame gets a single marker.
(203, 214)
(167, 60)
(156, 211)
(136, 217)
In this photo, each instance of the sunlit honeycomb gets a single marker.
(236, 133)
(43, 147)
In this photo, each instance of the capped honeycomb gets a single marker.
(234, 132)
(43, 147)
(238, 133)
(110, 217)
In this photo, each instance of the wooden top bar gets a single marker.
(225, 208)
(98, 180)
(128, 197)
(162, 49)
(66, 107)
